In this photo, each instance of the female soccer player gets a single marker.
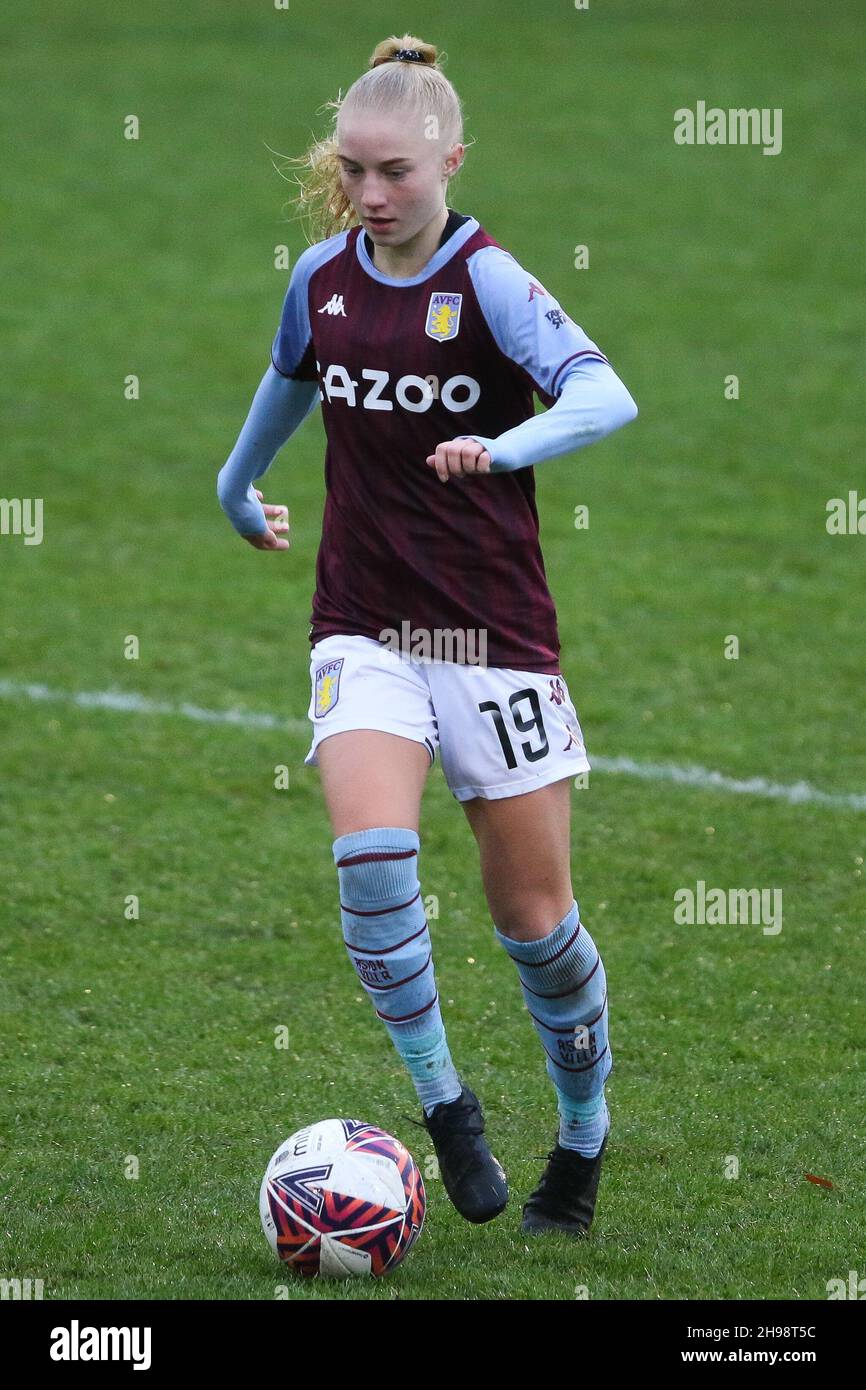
(433, 628)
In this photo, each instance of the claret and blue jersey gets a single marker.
(402, 365)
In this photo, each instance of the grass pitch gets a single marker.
(147, 1045)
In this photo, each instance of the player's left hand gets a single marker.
(274, 537)
(459, 457)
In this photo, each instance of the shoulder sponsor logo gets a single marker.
(443, 316)
(534, 290)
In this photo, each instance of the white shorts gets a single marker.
(500, 732)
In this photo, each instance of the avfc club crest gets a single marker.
(443, 316)
(327, 686)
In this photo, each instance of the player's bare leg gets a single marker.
(373, 782)
(524, 844)
(524, 847)
(370, 778)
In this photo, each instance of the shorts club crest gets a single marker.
(327, 686)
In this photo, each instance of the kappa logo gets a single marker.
(334, 306)
(573, 741)
(557, 690)
(534, 290)
(443, 316)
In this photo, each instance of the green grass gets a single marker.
(155, 1038)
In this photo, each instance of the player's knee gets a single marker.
(529, 915)
(384, 923)
(377, 870)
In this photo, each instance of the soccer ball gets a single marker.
(342, 1198)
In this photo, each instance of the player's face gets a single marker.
(393, 176)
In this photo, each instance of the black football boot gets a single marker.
(473, 1178)
(564, 1199)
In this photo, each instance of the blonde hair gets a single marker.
(390, 84)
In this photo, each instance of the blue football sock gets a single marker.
(582, 1126)
(565, 989)
(386, 935)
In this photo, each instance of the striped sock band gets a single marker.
(565, 989)
(386, 935)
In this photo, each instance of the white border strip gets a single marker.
(796, 793)
(127, 702)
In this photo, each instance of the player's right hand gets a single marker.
(272, 538)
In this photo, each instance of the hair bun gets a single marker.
(407, 49)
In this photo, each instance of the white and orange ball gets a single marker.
(342, 1198)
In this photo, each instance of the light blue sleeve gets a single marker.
(287, 393)
(279, 406)
(592, 403)
(292, 349)
(568, 371)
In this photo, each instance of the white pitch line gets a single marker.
(795, 792)
(127, 702)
